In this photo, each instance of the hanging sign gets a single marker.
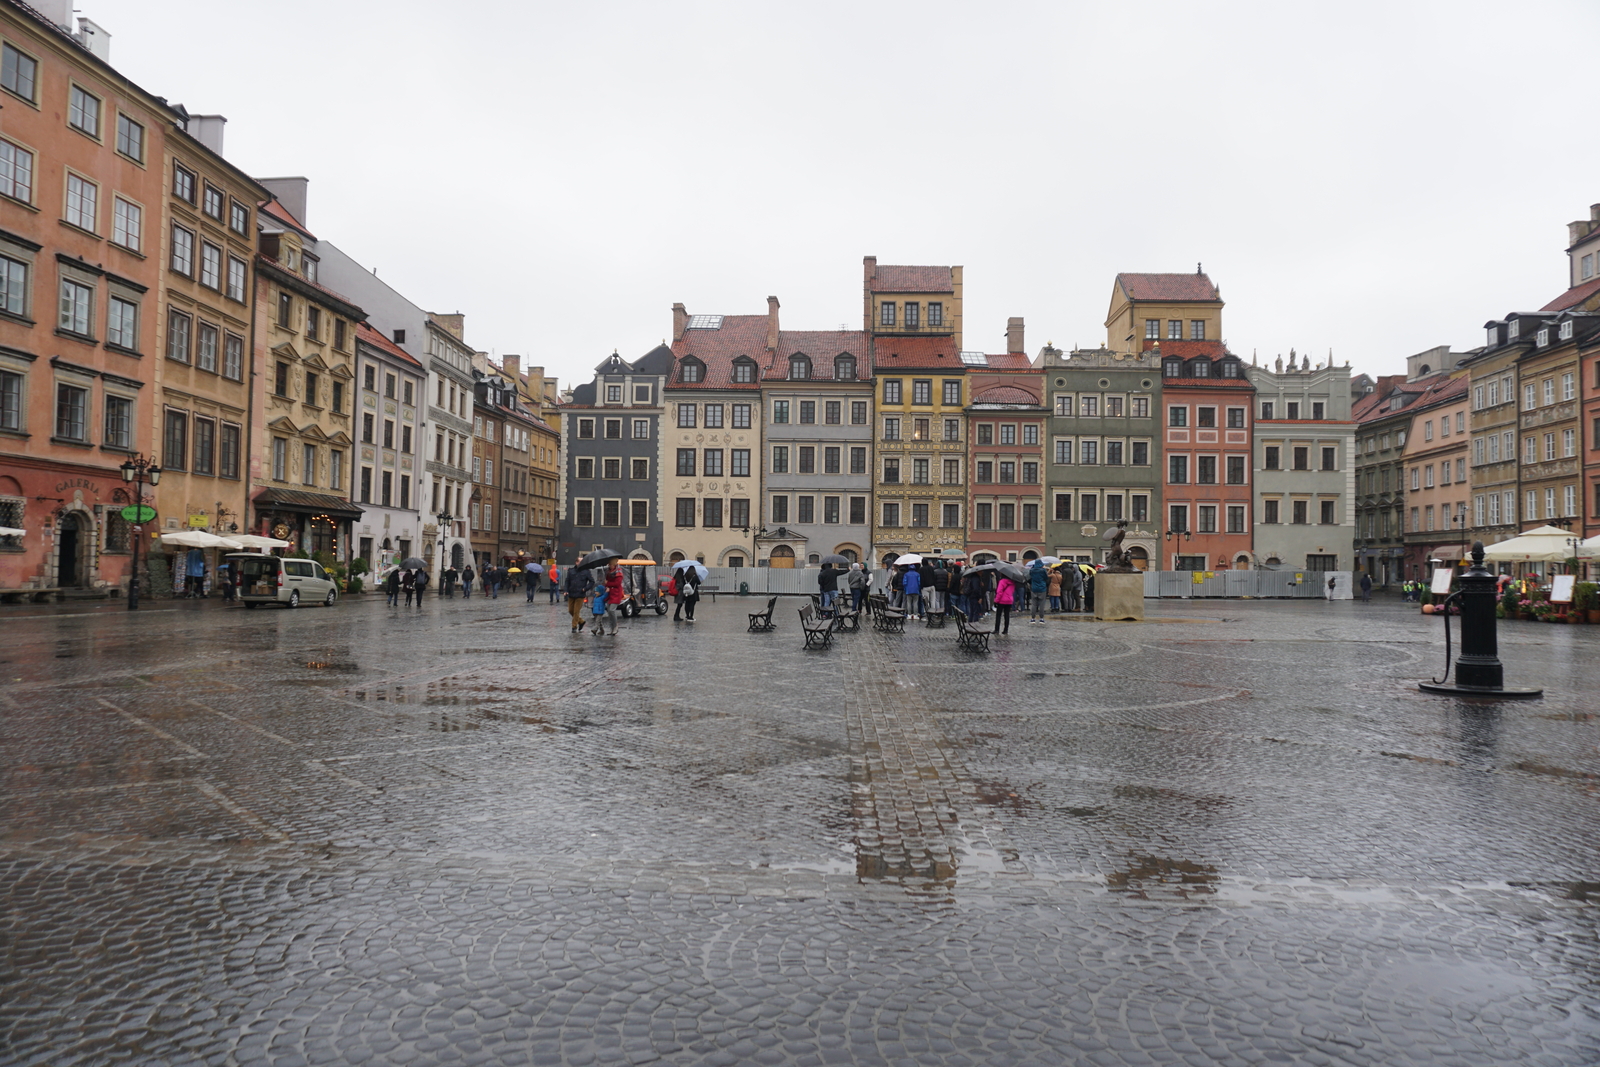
(136, 513)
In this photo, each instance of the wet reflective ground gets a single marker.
(1234, 835)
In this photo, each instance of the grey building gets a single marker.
(1305, 466)
(390, 383)
(611, 455)
(818, 455)
(444, 484)
(1103, 460)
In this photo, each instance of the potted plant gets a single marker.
(357, 569)
(1586, 600)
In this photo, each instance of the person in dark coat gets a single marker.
(408, 585)
(578, 585)
(688, 592)
(828, 583)
(466, 582)
(418, 584)
(1366, 587)
(391, 587)
(974, 588)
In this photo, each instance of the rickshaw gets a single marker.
(642, 589)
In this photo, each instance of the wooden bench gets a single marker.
(846, 620)
(761, 621)
(710, 591)
(970, 637)
(26, 596)
(818, 631)
(888, 620)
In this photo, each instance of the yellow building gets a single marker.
(1162, 307)
(305, 342)
(542, 397)
(913, 319)
(206, 297)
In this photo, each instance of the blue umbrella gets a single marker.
(699, 568)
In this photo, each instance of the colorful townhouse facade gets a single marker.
(390, 391)
(912, 318)
(1436, 458)
(1303, 444)
(1005, 429)
(82, 212)
(711, 486)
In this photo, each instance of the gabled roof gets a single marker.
(276, 209)
(1375, 405)
(1164, 287)
(717, 349)
(823, 346)
(1574, 296)
(891, 354)
(367, 335)
(1441, 390)
(897, 279)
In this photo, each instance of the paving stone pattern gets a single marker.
(1233, 834)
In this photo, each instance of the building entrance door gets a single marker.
(69, 570)
(782, 557)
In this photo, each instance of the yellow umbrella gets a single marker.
(513, 570)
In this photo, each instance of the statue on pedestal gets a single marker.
(1118, 561)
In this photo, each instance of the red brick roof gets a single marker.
(372, 337)
(739, 335)
(1442, 390)
(893, 279)
(822, 346)
(1374, 404)
(278, 211)
(915, 353)
(1008, 361)
(1168, 287)
(1574, 296)
(1006, 394)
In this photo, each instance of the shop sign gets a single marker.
(199, 522)
(135, 514)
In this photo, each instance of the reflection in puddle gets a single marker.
(1155, 877)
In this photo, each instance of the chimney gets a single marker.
(291, 193)
(512, 365)
(1014, 335)
(94, 37)
(869, 272)
(207, 129)
(772, 324)
(680, 322)
(57, 11)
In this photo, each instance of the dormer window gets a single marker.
(844, 368)
(1494, 336)
(799, 368)
(1172, 368)
(1511, 330)
(691, 370)
(1565, 330)
(1202, 368)
(1230, 369)
(1542, 338)
(744, 371)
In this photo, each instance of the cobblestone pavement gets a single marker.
(1234, 834)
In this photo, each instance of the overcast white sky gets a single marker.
(1374, 178)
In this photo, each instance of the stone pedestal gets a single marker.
(1119, 597)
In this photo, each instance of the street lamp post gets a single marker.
(137, 470)
(445, 519)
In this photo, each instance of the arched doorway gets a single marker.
(73, 538)
(889, 558)
(1274, 561)
(676, 557)
(848, 552)
(1029, 556)
(782, 557)
(985, 557)
(1241, 562)
(457, 556)
(1139, 558)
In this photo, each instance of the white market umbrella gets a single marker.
(1589, 549)
(11, 531)
(259, 542)
(198, 539)
(1547, 544)
(908, 559)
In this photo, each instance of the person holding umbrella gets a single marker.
(418, 584)
(828, 585)
(1004, 597)
(689, 574)
(614, 596)
(580, 580)
(407, 584)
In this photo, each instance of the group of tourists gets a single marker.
(926, 588)
(407, 581)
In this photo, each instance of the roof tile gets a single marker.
(915, 353)
(1574, 296)
(894, 279)
(1168, 287)
(366, 333)
(739, 335)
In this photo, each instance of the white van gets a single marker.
(267, 579)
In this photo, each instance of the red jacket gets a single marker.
(614, 594)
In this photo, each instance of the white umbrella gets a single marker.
(1547, 544)
(198, 539)
(11, 531)
(1049, 561)
(1589, 549)
(908, 559)
(699, 568)
(258, 541)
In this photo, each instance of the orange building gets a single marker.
(1206, 401)
(81, 193)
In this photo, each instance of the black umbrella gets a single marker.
(837, 560)
(598, 558)
(412, 563)
(1005, 570)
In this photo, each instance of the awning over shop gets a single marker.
(308, 503)
(1448, 553)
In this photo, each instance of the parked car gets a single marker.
(281, 580)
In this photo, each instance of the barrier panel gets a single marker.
(1281, 584)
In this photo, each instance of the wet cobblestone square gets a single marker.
(1234, 834)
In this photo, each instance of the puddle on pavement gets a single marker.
(1583, 892)
(1158, 877)
(1554, 772)
(1159, 793)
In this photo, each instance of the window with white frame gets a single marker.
(122, 323)
(127, 222)
(83, 198)
(83, 111)
(77, 308)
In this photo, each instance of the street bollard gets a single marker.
(1478, 668)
